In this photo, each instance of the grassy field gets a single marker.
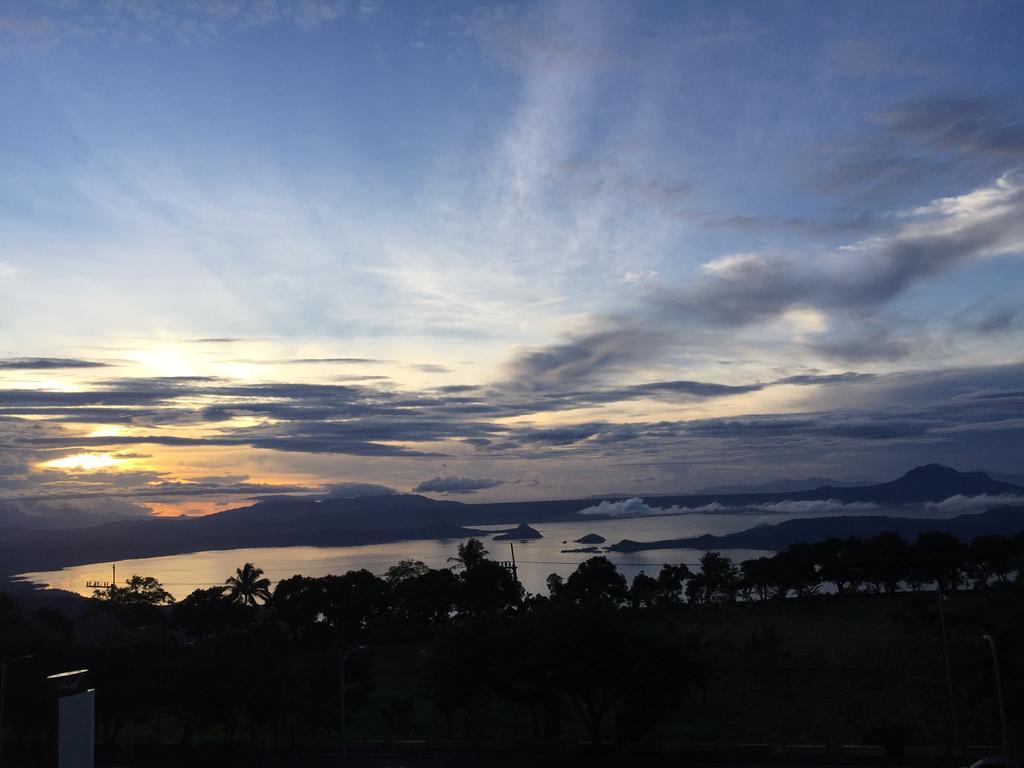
(829, 671)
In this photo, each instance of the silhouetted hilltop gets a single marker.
(520, 533)
(932, 482)
(1004, 521)
(359, 513)
(781, 486)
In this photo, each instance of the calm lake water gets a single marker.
(181, 574)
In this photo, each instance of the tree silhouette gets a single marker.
(207, 611)
(470, 554)
(405, 570)
(596, 580)
(247, 587)
(719, 580)
(643, 591)
(940, 557)
(991, 559)
(487, 588)
(138, 590)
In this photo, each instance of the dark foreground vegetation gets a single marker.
(755, 654)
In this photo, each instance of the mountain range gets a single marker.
(1003, 521)
(376, 519)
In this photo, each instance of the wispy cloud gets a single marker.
(46, 363)
(456, 484)
(50, 22)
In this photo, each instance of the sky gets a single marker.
(503, 251)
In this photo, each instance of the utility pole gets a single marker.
(344, 741)
(999, 699)
(4, 666)
(949, 675)
(515, 571)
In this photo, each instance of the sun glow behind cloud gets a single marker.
(622, 258)
(85, 462)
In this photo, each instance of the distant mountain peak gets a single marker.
(934, 470)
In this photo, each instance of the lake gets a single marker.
(181, 574)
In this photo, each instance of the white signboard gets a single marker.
(75, 746)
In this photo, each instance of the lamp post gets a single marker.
(999, 699)
(3, 698)
(344, 741)
(949, 674)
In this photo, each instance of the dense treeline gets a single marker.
(882, 563)
(596, 657)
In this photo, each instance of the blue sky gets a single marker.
(675, 242)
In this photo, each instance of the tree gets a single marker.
(488, 588)
(798, 569)
(840, 562)
(671, 579)
(299, 603)
(470, 554)
(352, 602)
(759, 577)
(643, 592)
(206, 611)
(555, 585)
(136, 604)
(404, 570)
(596, 580)
(137, 591)
(718, 581)
(991, 558)
(885, 561)
(247, 587)
(425, 600)
(940, 557)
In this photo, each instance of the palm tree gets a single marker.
(247, 587)
(470, 554)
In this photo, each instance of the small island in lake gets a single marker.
(521, 533)
(591, 538)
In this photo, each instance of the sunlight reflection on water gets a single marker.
(181, 574)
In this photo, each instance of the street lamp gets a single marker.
(344, 741)
(3, 697)
(999, 699)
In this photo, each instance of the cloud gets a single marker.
(354, 490)
(965, 124)
(997, 321)
(164, 489)
(580, 358)
(830, 378)
(870, 342)
(456, 484)
(814, 507)
(853, 284)
(85, 513)
(635, 507)
(46, 363)
(48, 23)
(872, 420)
(949, 232)
(848, 289)
(961, 505)
(334, 360)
